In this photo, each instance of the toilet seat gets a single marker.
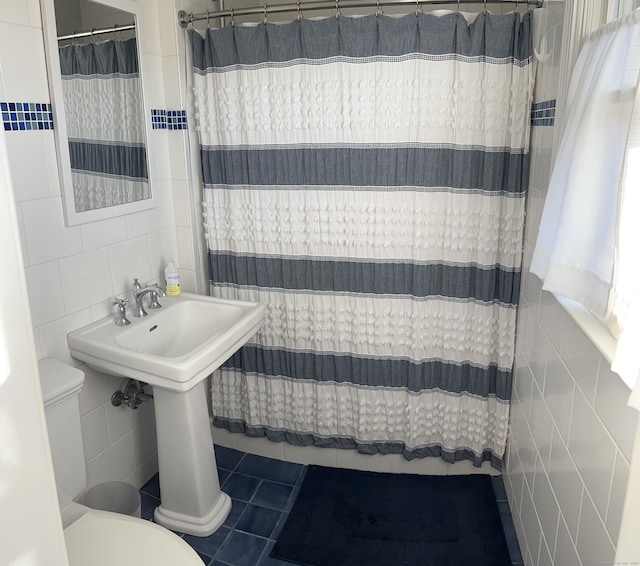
(102, 538)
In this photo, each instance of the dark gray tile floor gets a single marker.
(262, 493)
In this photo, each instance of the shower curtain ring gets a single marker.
(378, 8)
(299, 11)
(265, 14)
(208, 24)
(233, 21)
(418, 8)
(337, 10)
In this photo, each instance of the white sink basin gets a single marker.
(174, 347)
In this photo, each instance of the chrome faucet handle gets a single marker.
(153, 300)
(121, 312)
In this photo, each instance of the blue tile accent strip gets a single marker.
(543, 113)
(168, 119)
(22, 116)
(159, 119)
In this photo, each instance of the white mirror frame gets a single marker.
(72, 217)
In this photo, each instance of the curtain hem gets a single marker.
(367, 448)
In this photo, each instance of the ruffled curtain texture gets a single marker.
(365, 178)
(103, 107)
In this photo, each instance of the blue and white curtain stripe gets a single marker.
(365, 178)
(102, 95)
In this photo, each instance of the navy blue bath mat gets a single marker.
(353, 518)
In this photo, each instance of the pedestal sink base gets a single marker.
(190, 498)
(197, 526)
(175, 349)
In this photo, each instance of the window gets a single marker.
(588, 246)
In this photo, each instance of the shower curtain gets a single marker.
(365, 179)
(103, 108)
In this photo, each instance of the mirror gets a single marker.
(95, 65)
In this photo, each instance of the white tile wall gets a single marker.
(618, 491)
(53, 335)
(94, 432)
(565, 507)
(22, 13)
(130, 259)
(45, 234)
(562, 473)
(18, 85)
(581, 358)
(565, 553)
(44, 284)
(97, 387)
(25, 150)
(592, 450)
(571, 433)
(144, 441)
(620, 420)
(86, 279)
(74, 272)
(103, 233)
(116, 461)
(594, 544)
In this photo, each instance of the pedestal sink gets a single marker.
(174, 349)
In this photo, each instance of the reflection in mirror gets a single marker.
(104, 164)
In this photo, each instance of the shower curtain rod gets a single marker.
(186, 18)
(112, 29)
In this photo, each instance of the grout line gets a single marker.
(285, 512)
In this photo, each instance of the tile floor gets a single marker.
(262, 491)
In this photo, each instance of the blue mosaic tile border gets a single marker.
(543, 113)
(169, 119)
(158, 119)
(21, 116)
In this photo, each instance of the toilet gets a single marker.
(96, 538)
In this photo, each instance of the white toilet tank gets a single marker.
(96, 538)
(61, 384)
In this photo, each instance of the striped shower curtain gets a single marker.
(365, 178)
(103, 108)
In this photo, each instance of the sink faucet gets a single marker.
(121, 319)
(140, 291)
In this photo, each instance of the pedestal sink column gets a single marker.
(190, 498)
